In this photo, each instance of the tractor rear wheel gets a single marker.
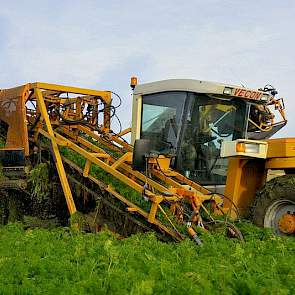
(274, 206)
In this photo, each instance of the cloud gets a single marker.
(101, 44)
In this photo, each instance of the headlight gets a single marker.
(243, 147)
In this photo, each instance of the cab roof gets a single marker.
(200, 86)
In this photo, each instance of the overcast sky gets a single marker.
(100, 44)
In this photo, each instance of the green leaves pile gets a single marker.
(39, 178)
(65, 262)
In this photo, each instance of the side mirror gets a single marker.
(142, 147)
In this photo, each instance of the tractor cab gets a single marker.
(194, 118)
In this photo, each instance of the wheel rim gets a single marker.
(275, 213)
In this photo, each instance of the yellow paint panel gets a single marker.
(13, 112)
(281, 148)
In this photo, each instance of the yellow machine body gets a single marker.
(69, 117)
(247, 175)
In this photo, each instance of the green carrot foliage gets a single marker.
(62, 261)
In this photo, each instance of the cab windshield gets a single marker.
(194, 124)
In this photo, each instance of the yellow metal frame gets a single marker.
(160, 188)
(58, 161)
(54, 88)
(79, 119)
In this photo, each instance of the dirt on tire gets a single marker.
(282, 187)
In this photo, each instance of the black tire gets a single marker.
(279, 189)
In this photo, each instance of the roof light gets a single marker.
(227, 90)
(133, 82)
(265, 97)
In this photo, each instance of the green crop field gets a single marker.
(61, 261)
